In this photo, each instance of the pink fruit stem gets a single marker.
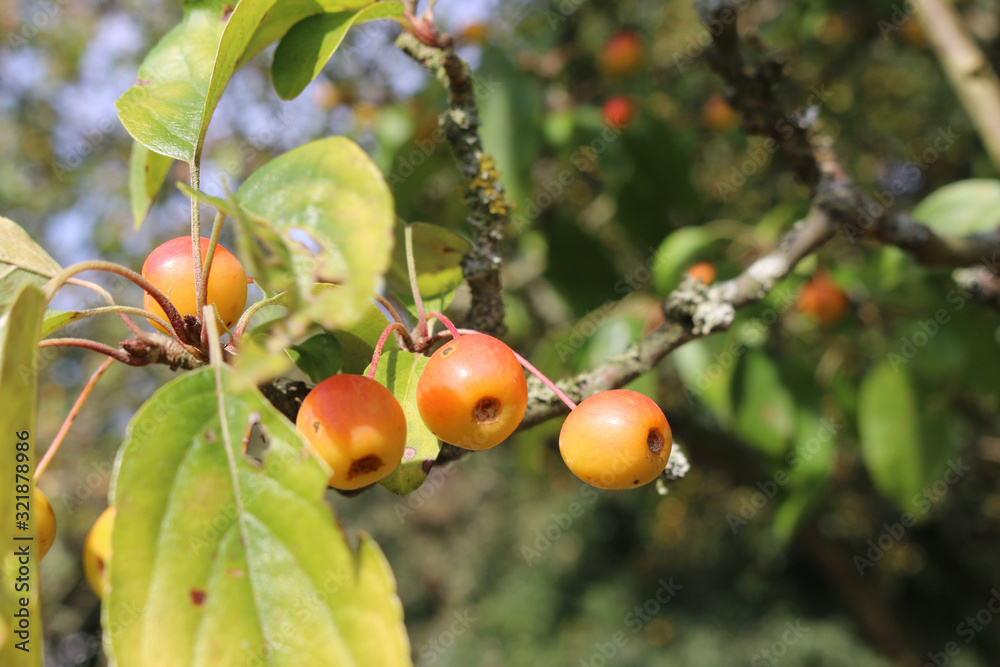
(537, 373)
(445, 321)
(381, 343)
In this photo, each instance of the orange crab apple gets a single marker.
(822, 300)
(622, 54)
(472, 392)
(357, 426)
(617, 439)
(703, 271)
(170, 268)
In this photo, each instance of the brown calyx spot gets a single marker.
(364, 465)
(654, 440)
(487, 411)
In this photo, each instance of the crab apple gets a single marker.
(357, 426)
(472, 392)
(618, 111)
(622, 54)
(45, 523)
(170, 268)
(823, 301)
(702, 271)
(718, 115)
(616, 439)
(97, 551)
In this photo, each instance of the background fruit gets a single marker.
(357, 426)
(45, 523)
(472, 392)
(97, 551)
(617, 439)
(623, 54)
(618, 111)
(702, 271)
(718, 115)
(823, 301)
(170, 268)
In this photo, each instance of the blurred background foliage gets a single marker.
(809, 444)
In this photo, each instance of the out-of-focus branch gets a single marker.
(967, 68)
(692, 311)
(489, 211)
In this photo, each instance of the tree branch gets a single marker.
(489, 211)
(967, 68)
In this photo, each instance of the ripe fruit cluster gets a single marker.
(472, 394)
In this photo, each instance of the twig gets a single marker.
(967, 68)
(94, 346)
(71, 417)
(489, 211)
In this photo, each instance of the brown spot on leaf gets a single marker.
(487, 411)
(226, 12)
(143, 82)
(654, 440)
(427, 465)
(235, 573)
(100, 565)
(364, 465)
(197, 596)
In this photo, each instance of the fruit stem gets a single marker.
(411, 268)
(116, 354)
(133, 327)
(381, 343)
(174, 317)
(71, 417)
(202, 294)
(445, 321)
(538, 374)
(199, 297)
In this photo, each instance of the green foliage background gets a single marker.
(504, 558)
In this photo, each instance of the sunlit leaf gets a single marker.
(22, 261)
(809, 467)
(222, 560)
(19, 334)
(437, 255)
(183, 77)
(399, 372)
(334, 213)
(964, 207)
(309, 44)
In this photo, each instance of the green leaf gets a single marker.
(890, 438)
(437, 256)
(19, 329)
(964, 207)
(224, 560)
(810, 466)
(146, 173)
(335, 215)
(319, 356)
(400, 372)
(22, 261)
(183, 77)
(705, 377)
(359, 339)
(57, 319)
(676, 254)
(309, 44)
(765, 412)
